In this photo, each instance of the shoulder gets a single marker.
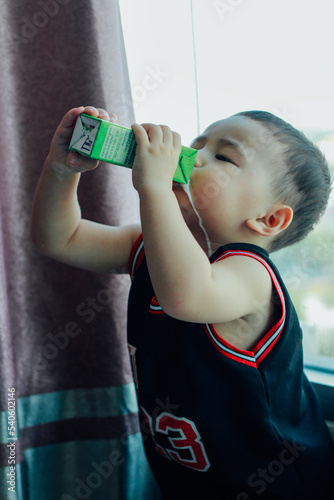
(249, 265)
(255, 288)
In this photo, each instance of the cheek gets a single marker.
(209, 189)
(203, 196)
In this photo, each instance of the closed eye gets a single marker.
(224, 158)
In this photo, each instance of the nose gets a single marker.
(199, 160)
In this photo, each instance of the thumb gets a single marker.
(74, 159)
(81, 163)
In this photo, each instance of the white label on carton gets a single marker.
(84, 134)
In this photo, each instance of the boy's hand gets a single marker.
(62, 160)
(157, 154)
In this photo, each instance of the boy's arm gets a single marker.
(56, 225)
(187, 286)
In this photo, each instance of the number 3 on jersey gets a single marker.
(185, 438)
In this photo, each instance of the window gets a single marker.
(246, 55)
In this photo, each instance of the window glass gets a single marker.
(238, 55)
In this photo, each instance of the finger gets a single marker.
(70, 118)
(103, 114)
(140, 134)
(171, 137)
(154, 132)
(176, 140)
(167, 134)
(113, 117)
(90, 110)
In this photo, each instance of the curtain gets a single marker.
(68, 417)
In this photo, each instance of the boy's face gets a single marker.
(232, 179)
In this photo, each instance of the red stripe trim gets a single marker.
(270, 338)
(155, 307)
(245, 357)
(135, 257)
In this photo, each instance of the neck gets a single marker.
(251, 239)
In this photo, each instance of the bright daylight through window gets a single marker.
(192, 63)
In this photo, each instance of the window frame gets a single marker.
(323, 384)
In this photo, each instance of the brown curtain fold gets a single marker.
(62, 330)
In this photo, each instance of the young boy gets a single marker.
(215, 343)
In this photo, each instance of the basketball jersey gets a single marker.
(219, 422)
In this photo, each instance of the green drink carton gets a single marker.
(112, 143)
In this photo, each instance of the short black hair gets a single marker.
(304, 185)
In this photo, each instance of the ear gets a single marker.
(277, 218)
